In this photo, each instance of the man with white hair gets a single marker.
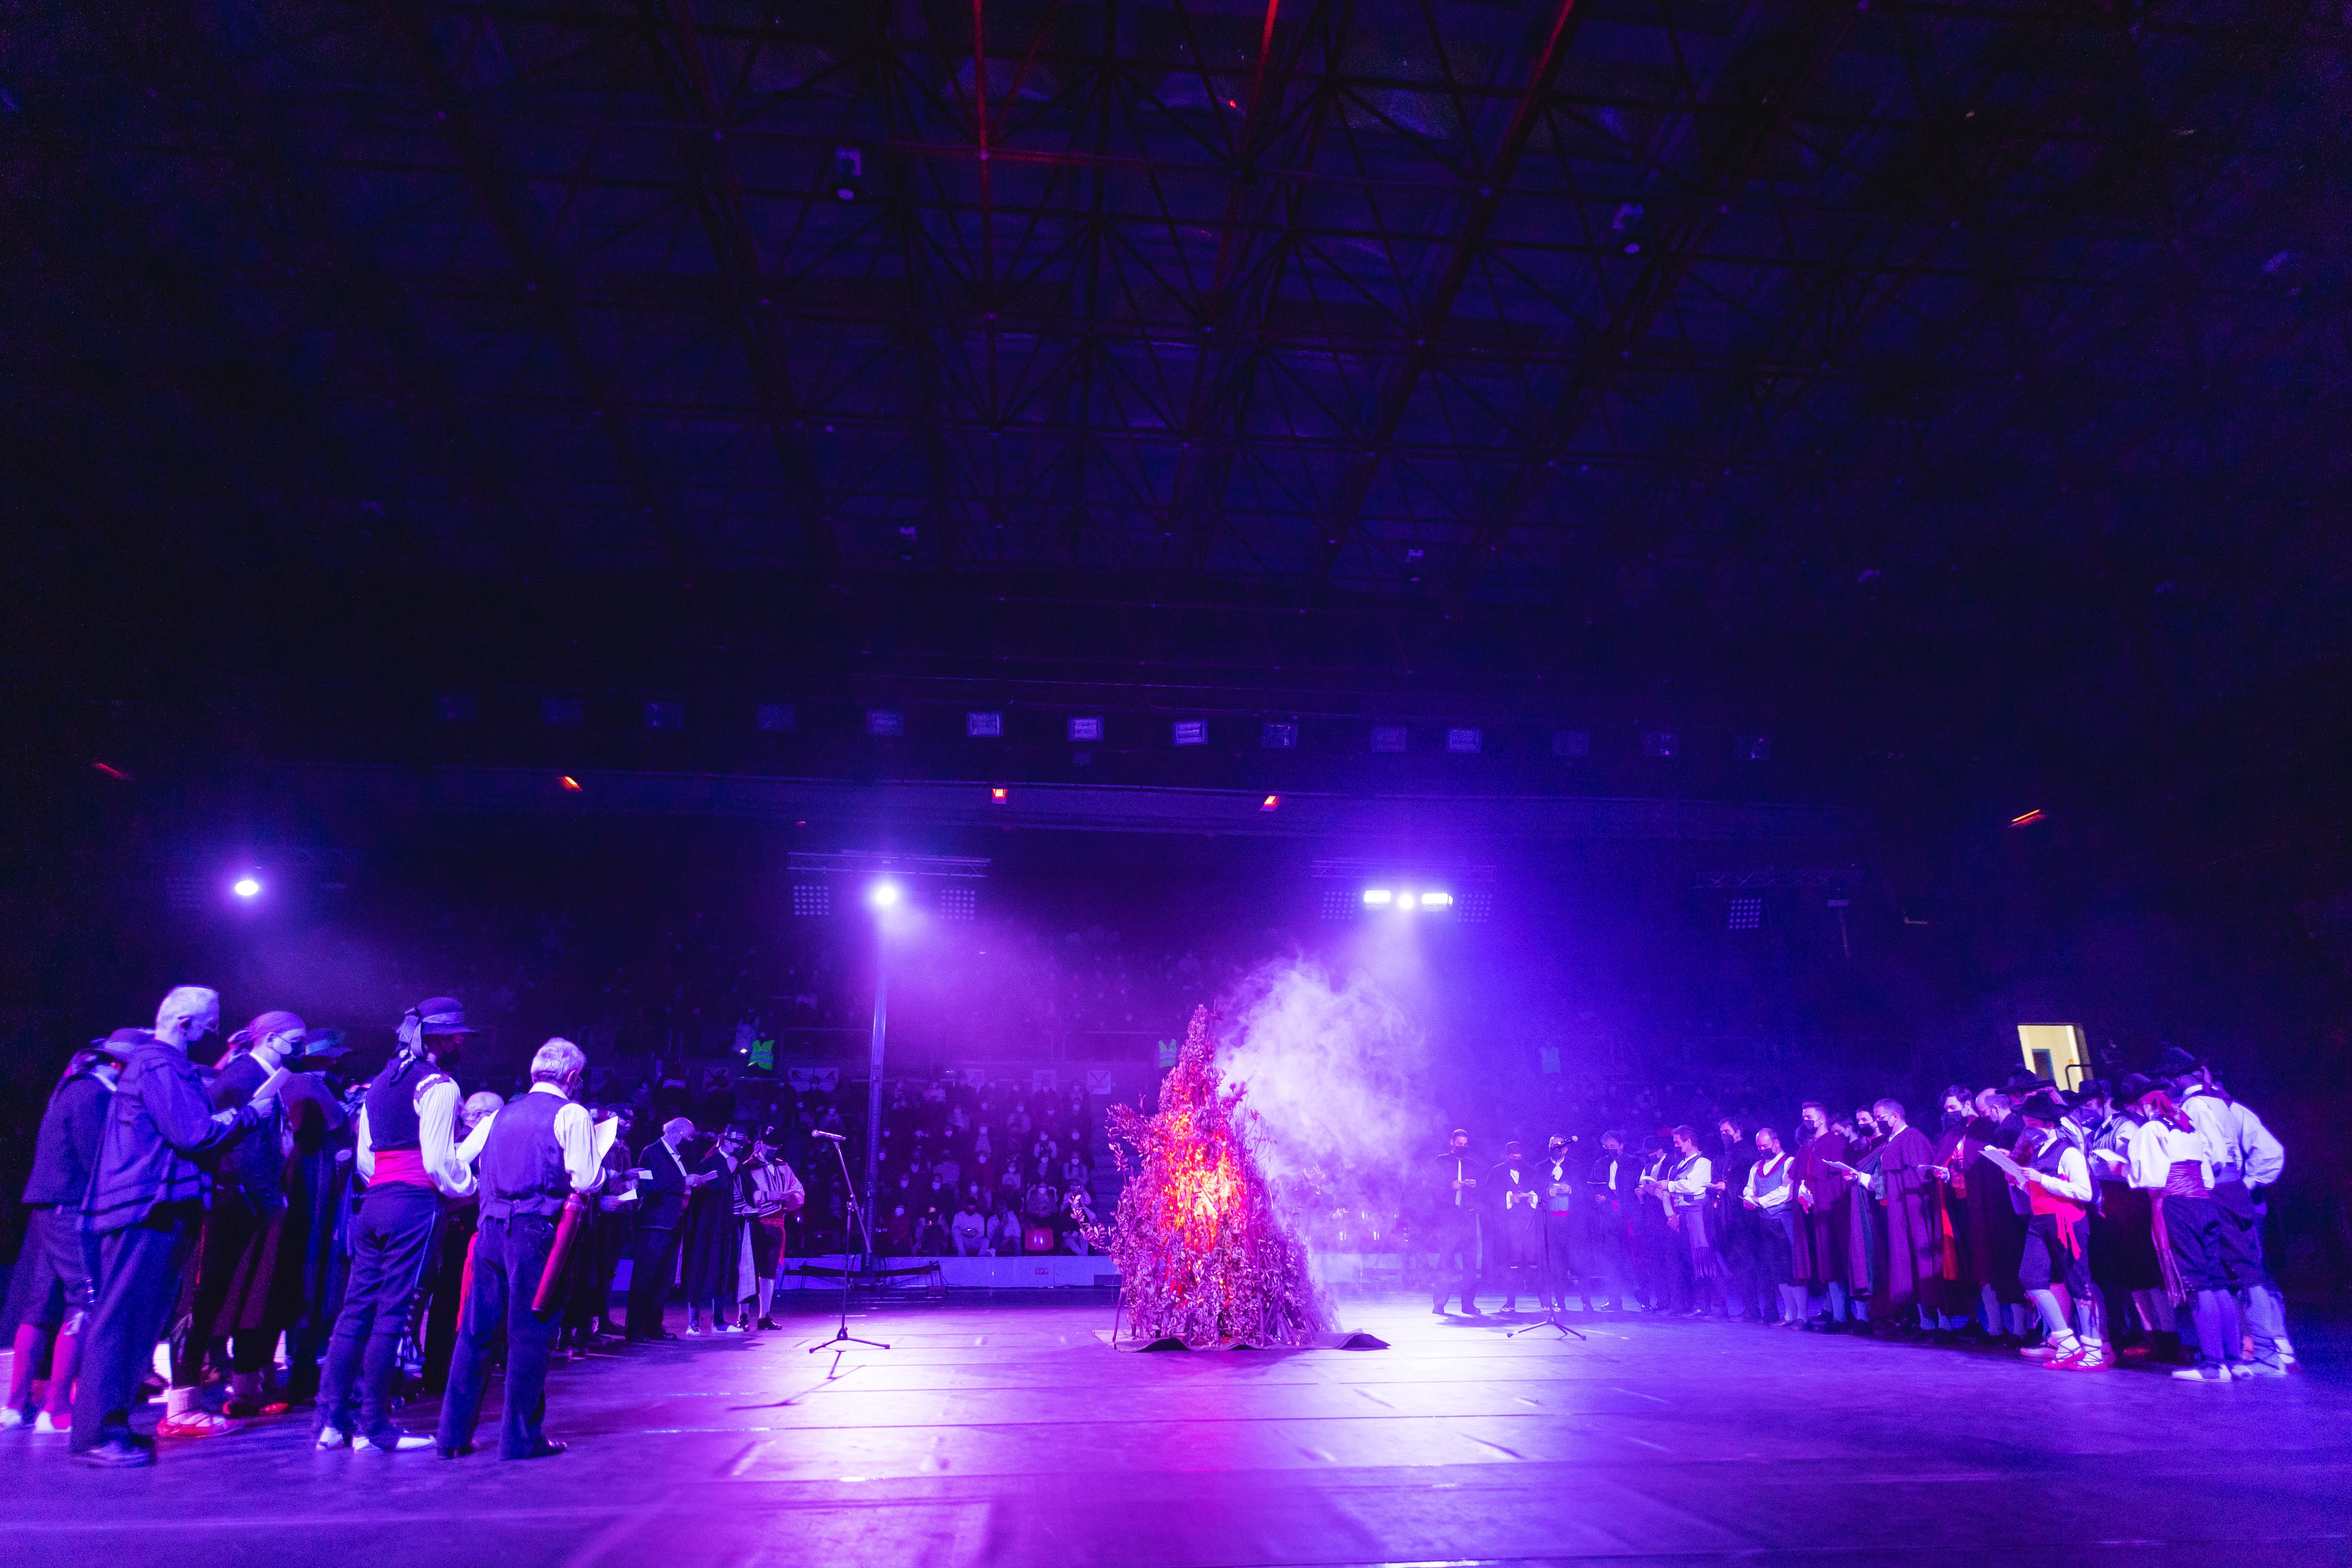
(662, 1189)
(146, 1200)
(540, 1152)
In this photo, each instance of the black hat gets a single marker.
(441, 1015)
(2024, 1080)
(2043, 1105)
(2092, 1088)
(123, 1042)
(2135, 1087)
(2174, 1062)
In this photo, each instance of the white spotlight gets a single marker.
(1404, 901)
(882, 895)
(1437, 900)
(1378, 896)
(246, 888)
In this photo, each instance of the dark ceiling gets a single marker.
(2003, 341)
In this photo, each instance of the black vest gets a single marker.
(391, 1101)
(522, 1164)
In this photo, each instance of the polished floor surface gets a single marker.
(1012, 1435)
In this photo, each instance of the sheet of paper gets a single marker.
(2006, 1164)
(607, 1130)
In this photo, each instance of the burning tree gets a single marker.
(1203, 1253)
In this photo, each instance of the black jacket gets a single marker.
(661, 1199)
(65, 1151)
(1439, 1197)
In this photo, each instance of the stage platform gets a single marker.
(1009, 1435)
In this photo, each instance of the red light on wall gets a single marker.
(111, 773)
(1269, 802)
(2034, 815)
(997, 794)
(569, 782)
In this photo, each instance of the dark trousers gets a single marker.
(1602, 1251)
(656, 1261)
(1559, 1279)
(2242, 1236)
(390, 1242)
(447, 1272)
(138, 1284)
(510, 1256)
(1456, 1239)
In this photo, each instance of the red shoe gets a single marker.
(197, 1423)
(2089, 1361)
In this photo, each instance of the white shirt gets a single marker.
(2072, 1178)
(2158, 1146)
(575, 1135)
(2236, 1137)
(1692, 1185)
(1778, 1199)
(436, 1138)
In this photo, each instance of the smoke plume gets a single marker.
(1333, 1069)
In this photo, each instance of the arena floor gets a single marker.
(1010, 1435)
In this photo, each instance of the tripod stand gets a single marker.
(842, 1336)
(1552, 1299)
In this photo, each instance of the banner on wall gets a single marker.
(1045, 1077)
(826, 1079)
(1098, 1080)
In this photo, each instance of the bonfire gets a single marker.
(1203, 1251)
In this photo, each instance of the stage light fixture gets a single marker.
(570, 784)
(110, 772)
(883, 895)
(1406, 901)
(1437, 901)
(246, 888)
(1376, 896)
(997, 794)
(2036, 815)
(1269, 802)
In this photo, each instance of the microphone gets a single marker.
(831, 1137)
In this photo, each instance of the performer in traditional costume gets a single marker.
(1512, 1186)
(2053, 1175)
(2173, 1163)
(1685, 1187)
(1610, 1185)
(1451, 1214)
(712, 1262)
(768, 1194)
(1557, 1175)
(1819, 1238)
(407, 1152)
(2125, 1269)
(1768, 1195)
(539, 1157)
(2247, 1158)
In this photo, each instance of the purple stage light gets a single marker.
(883, 895)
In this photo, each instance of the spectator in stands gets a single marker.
(969, 1230)
(1003, 1231)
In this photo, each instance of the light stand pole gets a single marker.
(873, 1078)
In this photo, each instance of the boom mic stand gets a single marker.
(842, 1336)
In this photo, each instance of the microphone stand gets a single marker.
(842, 1336)
(1553, 1296)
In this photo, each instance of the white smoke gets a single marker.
(1332, 1067)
